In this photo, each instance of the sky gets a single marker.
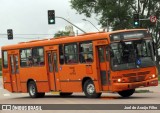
(30, 17)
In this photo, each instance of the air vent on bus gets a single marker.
(129, 74)
(143, 73)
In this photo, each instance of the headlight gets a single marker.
(119, 80)
(153, 76)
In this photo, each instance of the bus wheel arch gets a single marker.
(84, 80)
(29, 80)
(32, 89)
(89, 88)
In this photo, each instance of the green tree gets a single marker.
(61, 33)
(0, 64)
(119, 13)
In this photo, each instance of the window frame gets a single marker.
(40, 56)
(77, 53)
(25, 57)
(32, 56)
(62, 46)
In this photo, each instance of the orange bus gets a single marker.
(117, 61)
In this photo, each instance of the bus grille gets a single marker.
(137, 79)
(143, 73)
(129, 74)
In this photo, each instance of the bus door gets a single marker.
(52, 69)
(103, 58)
(14, 72)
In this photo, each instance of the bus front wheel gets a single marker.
(89, 89)
(126, 93)
(32, 89)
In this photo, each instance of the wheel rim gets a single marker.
(32, 90)
(90, 89)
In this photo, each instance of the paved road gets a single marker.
(152, 97)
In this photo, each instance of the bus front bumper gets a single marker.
(126, 86)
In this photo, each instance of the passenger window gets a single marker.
(86, 52)
(107, 53)
(38, 56)
(101, 54)
(12, 64)
(5, 59)
(55, 62)
(61, 54)
(71, 54)
(26, 58)
(50, 65)
(17, 66)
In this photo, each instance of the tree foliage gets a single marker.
(61, 33)
(119, 13)
(0, 64)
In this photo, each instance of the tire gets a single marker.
(89, 89)
(126, 93)
(32, 89)
(65, 94)
(41, 95)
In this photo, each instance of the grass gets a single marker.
(159, 78)
(0, 74)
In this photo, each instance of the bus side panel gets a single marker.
(42, 86)
(8, 86)
(73, 86)
(72, 76)
(6, 80)
(23, 87)
(38, 74)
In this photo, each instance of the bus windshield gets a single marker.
(132, 54)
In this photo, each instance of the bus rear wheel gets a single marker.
(126, 93)
(65, 94)
(89, 89)
(32, 89)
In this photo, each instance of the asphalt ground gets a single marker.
(148, 95)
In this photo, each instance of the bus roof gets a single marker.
(64, 40)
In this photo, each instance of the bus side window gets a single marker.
(26, 58)
(61, 54)
(101, 54)
(71, 53)
(107, 53)
(16, 66)
(86, 52)
(38, 56)
(12, 64)
(5, 59)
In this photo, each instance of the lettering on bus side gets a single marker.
(72, 72)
